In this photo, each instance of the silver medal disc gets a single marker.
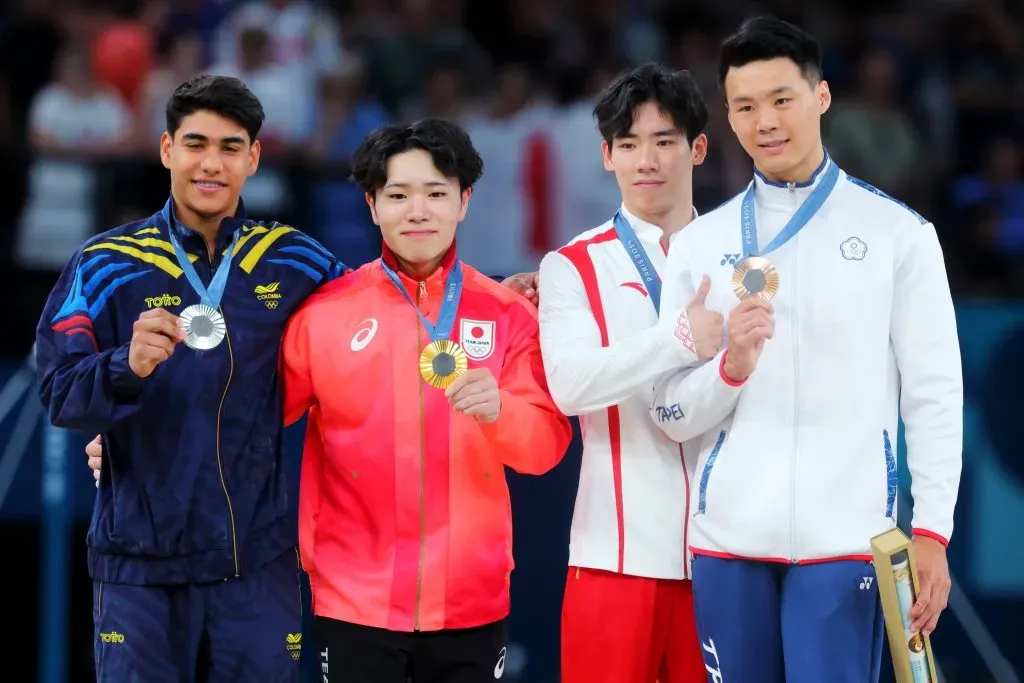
(204, 327)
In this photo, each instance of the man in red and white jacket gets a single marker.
(627, 614)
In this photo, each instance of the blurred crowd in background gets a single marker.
(927, 106)
(928, 96)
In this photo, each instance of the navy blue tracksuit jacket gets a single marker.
(194, 485)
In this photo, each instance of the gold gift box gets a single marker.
(912, 656)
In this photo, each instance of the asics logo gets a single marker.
(364, 335)
(499, 668)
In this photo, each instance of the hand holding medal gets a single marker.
(476, 394)
(154, 336)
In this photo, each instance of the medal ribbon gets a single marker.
(643, 264)
(803, 215)
(449, 306)
(209, 296)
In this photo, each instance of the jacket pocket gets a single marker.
(891, 476)
(705, 474)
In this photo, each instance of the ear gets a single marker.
(466, 194)
(373, 209)
(699, 149)
(166, 141)
(606, 154)
(254, 157)
(824, 97)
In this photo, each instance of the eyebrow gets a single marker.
(199, 137)
(668, 132)
(775, 91)
(430, 183)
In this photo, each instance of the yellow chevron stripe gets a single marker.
(148, 231)
(256, 253)
(161, 262)
(256, 230)
(153, 242)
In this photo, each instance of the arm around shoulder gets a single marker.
(295, 367)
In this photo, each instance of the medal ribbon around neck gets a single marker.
(755, 275)
(204, 325)
(796, 223)
(641, 260)
(442, 361)
(209, 296)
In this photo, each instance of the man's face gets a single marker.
(210, 159)
(418, 208)
(654, 163)
(775, 113)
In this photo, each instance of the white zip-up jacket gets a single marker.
(798, 463)
(603, 350)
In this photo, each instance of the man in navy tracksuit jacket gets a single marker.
(192, 541)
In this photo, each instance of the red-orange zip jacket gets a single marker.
(404, 514)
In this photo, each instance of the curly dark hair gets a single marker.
(447, 144)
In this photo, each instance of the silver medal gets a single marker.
(204, 327)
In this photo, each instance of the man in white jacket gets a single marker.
(797, 418)
(627, 613)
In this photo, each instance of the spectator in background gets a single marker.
(1001, 188)
(179, 57)
(122, 56)
(870, 135)
(344, 117)
(284, 99)
(75, 113)
(510, 226)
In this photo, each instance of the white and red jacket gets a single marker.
(798, 463)
(603, 350)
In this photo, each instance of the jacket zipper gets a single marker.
(421, 298)
(220, 463)
(796, 392)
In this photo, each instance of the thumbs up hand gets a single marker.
(699, 327)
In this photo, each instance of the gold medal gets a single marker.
(442, 362)
(755, 276)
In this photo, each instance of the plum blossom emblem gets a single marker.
(854, 249)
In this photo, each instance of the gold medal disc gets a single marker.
(442, 362)
(755, 276)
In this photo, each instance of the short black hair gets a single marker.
(674, 92)
(223, 95)
(447, 144)
(767, 37)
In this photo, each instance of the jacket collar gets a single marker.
(788, 195)
(189, 237)
(433, 281)
(648, 232)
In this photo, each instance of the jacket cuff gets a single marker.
(932, 535)
(123, 380)
(725, 378)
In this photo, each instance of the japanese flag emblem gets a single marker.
(476, 337)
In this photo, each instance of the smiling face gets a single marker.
(775, 112)
(654, 162)
(418, 210)
(210, 157)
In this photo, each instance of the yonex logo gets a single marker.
(364, 335)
